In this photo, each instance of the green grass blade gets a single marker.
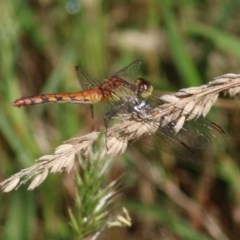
(177, 44)
(19, 224)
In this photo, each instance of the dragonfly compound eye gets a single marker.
(144, 88)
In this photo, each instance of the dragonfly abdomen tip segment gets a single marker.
(85, 97)
(35, 100)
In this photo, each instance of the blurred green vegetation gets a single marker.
(182, 43)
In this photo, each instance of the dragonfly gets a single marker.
(133, 97)
(117, 88)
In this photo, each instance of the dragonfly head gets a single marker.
(144, 88)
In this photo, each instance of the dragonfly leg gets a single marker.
(92, 111)
(108, 116)
(133, 106)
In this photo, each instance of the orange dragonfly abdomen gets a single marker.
(86, 97)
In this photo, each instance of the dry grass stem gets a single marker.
(185, 105)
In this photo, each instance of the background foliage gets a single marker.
(182, 43)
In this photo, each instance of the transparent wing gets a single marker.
(191, 141)
(130, 71)
(126, 94)
(86, 81)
